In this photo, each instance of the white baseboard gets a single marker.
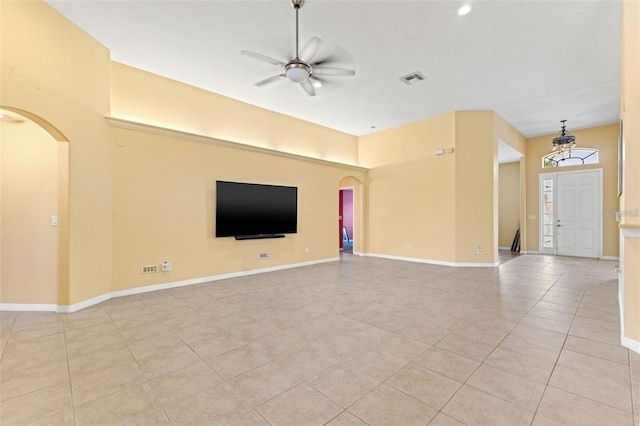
(67, 309)
(631, 344)
(601, 257)
(31, 307)
(504, 248)
(202, 280)
(434, 262)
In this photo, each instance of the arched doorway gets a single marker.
(345, 217)
(34, 209)
(350, 216)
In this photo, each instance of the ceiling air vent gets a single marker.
(413, 78)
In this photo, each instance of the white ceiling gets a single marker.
(535, 62)
(507, 154)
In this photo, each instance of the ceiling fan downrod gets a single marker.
(297, 70)
(297, 4)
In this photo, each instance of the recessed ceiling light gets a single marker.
(464, 10)
(317, 83)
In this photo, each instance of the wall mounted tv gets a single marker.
(251, 210)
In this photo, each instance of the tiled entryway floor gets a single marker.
(361, 341)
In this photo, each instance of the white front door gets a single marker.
(571, 209)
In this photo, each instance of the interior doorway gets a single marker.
(34, 225)
(345, 220)
(571, 213)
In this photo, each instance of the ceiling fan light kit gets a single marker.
(298, 70)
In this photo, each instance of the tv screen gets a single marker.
(255, 210)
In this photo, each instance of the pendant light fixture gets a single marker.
(564, 140)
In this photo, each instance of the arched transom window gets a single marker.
(570, 157)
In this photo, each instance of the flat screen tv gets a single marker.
(251, 210)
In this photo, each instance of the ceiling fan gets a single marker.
(301, 69)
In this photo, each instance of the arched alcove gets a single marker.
(34, 169)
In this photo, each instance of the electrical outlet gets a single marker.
(165, 266)
(264, 255)
(306, 250)
(148, 269)
(408, 247)
(479, 250)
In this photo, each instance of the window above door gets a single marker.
(571, 157)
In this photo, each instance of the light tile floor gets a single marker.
(357, 342)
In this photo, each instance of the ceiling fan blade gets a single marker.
(263, 58)
(270, 80)
(310, 49)
(333, 72)
(307, 86)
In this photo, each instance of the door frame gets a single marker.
(553, 176)
(353, 211)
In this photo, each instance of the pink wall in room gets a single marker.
(347, 210)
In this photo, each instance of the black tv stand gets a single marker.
(258, 236)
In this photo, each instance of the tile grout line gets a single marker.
(556, 363)
(146, 381)
(498, 345)
(66, 351)
(483, 362)
(559, 353)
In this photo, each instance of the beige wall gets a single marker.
(476, 183)
(436, 207)
(164, 208)
(630, 200)
(55, 71)
(147, 98)
(63, 224)
(509, 135)
(411, 191)
(632, 289)
(509, 203)
(29, 191)
(405, 143)
(410, 209)
(603, 138)
(630, 109)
